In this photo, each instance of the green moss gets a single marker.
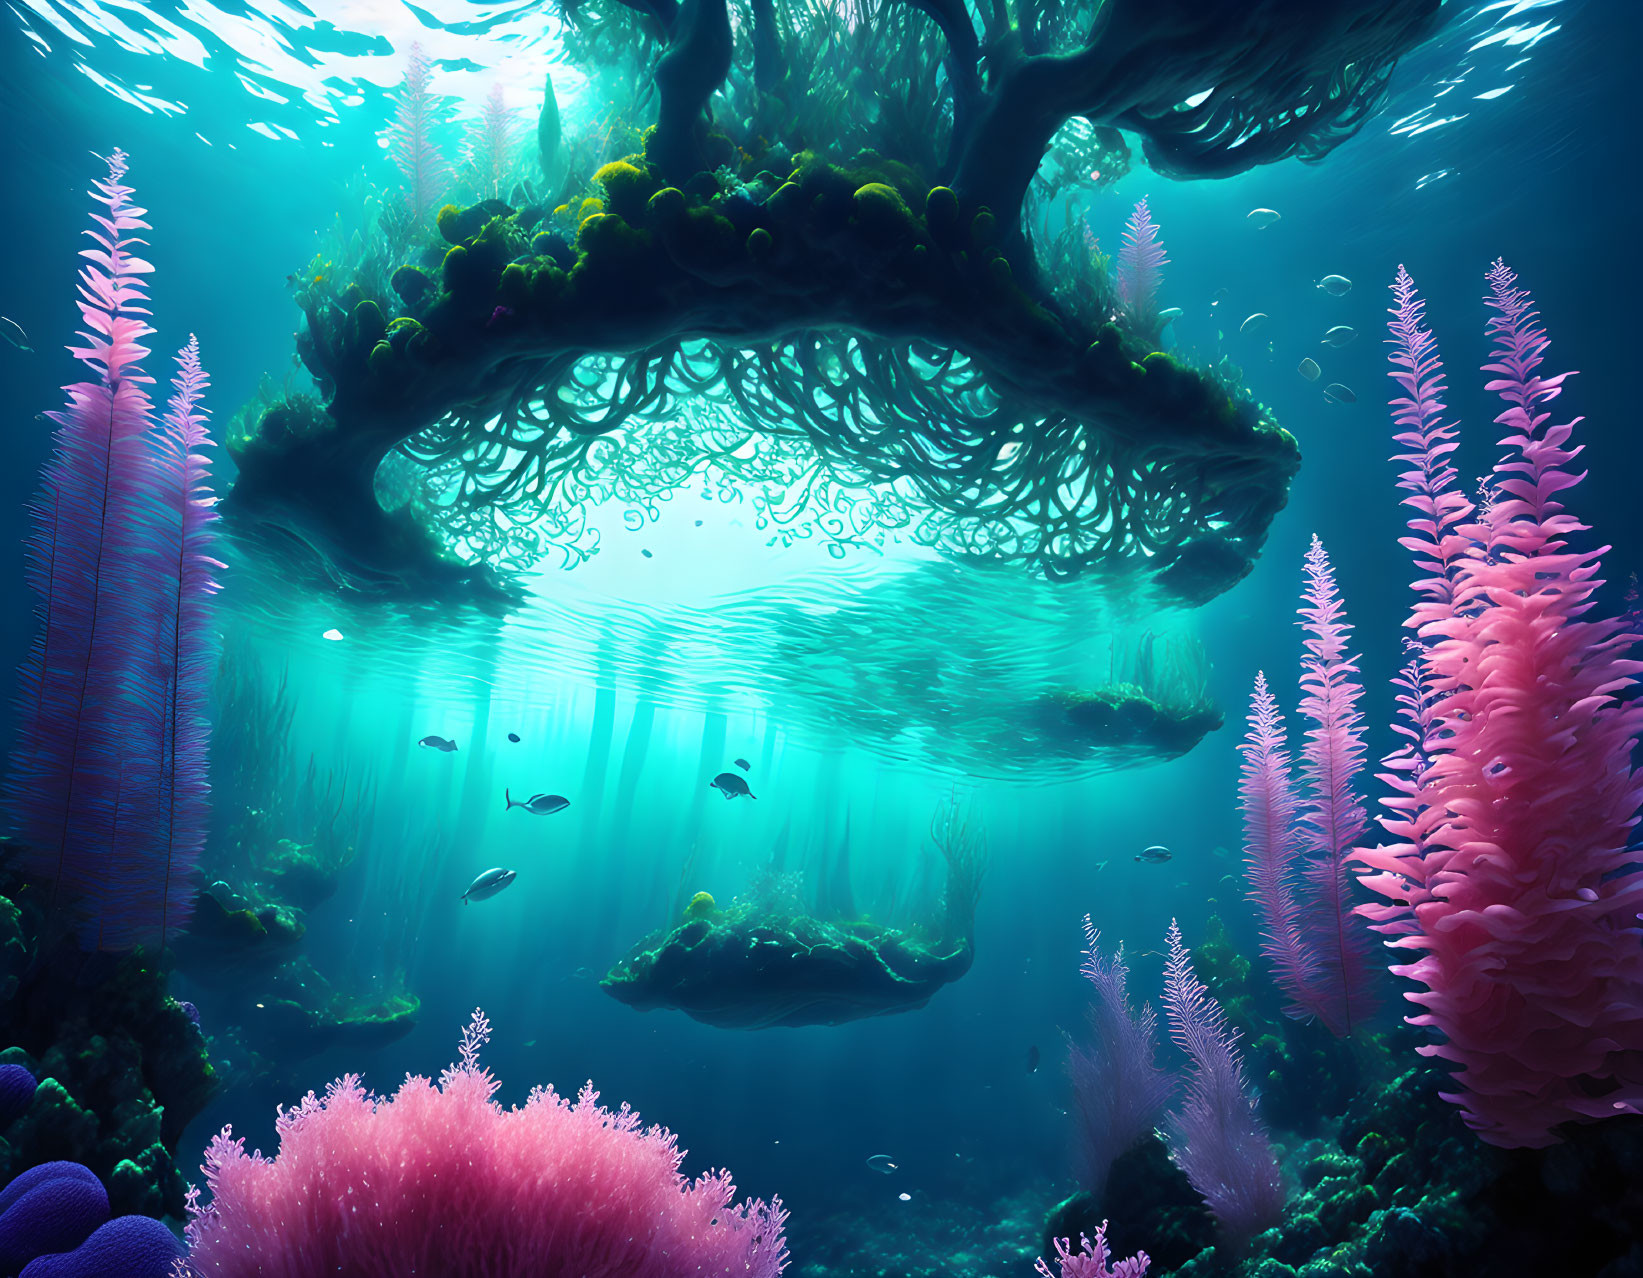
(786, 199)
(515, 286)
(667, 205)
(760, 244)
(609, 237)
(455, 268)
(627, 188)
(404, 331)
(881, 213)
(382, 359)
(703, 240)
(449, 222)
(547, 289)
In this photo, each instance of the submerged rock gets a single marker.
(742, 971)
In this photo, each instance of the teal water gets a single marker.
(872, 681)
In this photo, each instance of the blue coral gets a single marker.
(129, 1247)
(17, 1086)
(50, 1208)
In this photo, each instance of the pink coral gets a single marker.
(1513, 882)
(1093, 1259)
(442, 1180)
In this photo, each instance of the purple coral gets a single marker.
(1117, 1085)
(442, 1180)
(1216, 1137)
(1093, 1259)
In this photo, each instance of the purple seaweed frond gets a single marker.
(1333, 818)
(76, 737)
(182, 583)
(1215, 1138)
(1117, 1085)
(1140, 263)
(1271, 846)
(1427, 443)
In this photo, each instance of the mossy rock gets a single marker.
(627, 188)
(412, 284)
(941, 216)
(366, 325)
(881, 213)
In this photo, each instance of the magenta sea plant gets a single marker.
(1093, 1259)
(1298, 842)
(1512, 883)
(107, 784)
(1140, 269)
(440, 1179)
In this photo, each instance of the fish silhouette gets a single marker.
(537, 804)
(731, 786)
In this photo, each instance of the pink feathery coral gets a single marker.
(418, 114)
(1332, 815)
(440, 1179)
(1514, 884)
(1140, 263)
(1437, 540)
(1093, 1259)
(1267, 797)
(1309, 935)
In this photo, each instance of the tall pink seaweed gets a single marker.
(107, 785)
(412, 145)
(1332, 815)
(186, 659)
(440, 1179)
(1140, 269)
(1267, 796)
(1308, 833)
(74, 741)
(1518, 893)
